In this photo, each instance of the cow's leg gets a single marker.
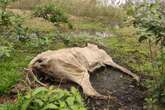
(113, 64)
(87, 87)
(84, 82)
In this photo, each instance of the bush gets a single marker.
(149, 19)
(10, 23)
(51, 13)
(5, 18)
(51, 99)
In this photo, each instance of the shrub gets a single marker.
(10, 23)
(149, 19)
(51, 13)
(4, 14)
(51, 99)
(5, 18)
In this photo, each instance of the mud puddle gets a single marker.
(109, 81)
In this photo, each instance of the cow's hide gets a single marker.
(75, 64)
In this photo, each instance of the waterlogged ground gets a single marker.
(130, 96)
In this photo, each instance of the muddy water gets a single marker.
(113, 82)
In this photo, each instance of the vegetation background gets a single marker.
(133, 34)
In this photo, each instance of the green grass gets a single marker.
(8, 107)
(87, 24)
(129, 52)
(12, 69)
(34, 23)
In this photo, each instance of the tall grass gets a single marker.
(84, 8)
(89, 8)
(26, 4)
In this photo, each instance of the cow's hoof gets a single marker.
(137, 78)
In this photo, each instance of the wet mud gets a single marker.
(108, 81)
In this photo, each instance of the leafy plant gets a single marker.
(51, 13)
(10, 23)
(150, 20)
(38, 41)
(51, 99)
(8, 107)
(5, 20)
(4, 14)
(5, 47)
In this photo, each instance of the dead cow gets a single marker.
(75, 64)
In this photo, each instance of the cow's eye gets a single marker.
(39, 60)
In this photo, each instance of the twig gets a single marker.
(60, 82)
(29, 71)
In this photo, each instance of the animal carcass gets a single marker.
(75, 64)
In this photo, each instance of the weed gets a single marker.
(46, 99)
(51, 13)
(12, 70)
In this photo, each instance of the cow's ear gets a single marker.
(47, 63)
(43, 62)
